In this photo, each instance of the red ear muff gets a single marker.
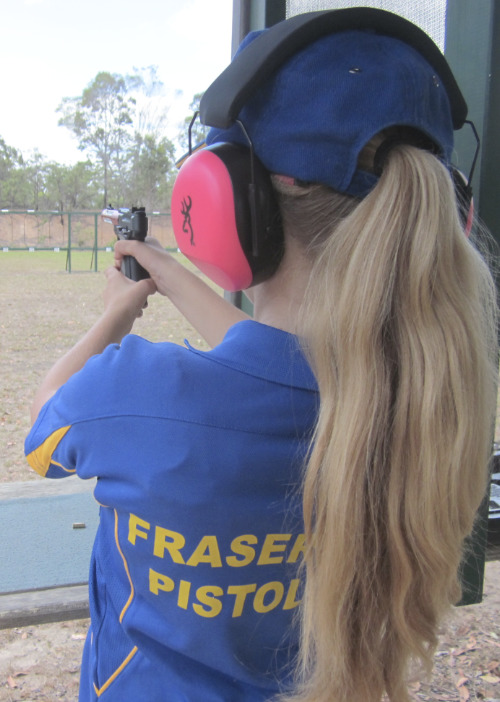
(225, 216)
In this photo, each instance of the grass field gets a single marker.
(44, 311)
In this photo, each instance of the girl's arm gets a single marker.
(209, 313)
(123, 302)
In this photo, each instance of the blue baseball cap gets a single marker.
(313, 115)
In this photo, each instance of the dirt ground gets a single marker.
(41, 662)
(44, 310)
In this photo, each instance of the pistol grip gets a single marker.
(133, 270)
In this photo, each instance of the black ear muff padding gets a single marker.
(257, 215)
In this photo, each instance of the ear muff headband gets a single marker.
(465, 201)
(225, 97)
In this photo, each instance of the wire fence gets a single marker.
(29, 230)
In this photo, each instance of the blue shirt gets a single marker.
(193, 580)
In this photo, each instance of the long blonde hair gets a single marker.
(400, 327)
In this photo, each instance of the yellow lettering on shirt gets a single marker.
(291, 602)
(134, 523)
(241, 592)
(207, 551)
(159, 582)
(171, 541)
(276, 588)
(207, 595)
(298, 548)
(270, 547)
(184, 590)
(209, 600)
(241, 547)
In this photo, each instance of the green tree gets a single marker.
(74, 187)
(9, 159)
(23, 181)
(152, 172)
(101, 120)
(36, 171)
(11, 174)
(16, 190)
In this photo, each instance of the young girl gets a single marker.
(346, 427)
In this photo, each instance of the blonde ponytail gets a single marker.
(401, 331)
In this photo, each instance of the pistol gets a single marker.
(129, 224)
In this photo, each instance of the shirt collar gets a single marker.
(265, 352)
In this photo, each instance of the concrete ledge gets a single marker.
(48, 528)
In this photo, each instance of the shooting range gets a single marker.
(48, 529)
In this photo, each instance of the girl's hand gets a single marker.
(203, 307)
(151, 256)
(126, 296)
(124, 300)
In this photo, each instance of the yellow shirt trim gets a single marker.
(131, 596)
(41, 458)
(100, 690)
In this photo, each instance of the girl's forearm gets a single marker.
(205, 309)
(208, 312)
(109, 328)
(124, 302)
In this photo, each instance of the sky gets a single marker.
(51, 49)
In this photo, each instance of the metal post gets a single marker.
(473, 51)
(472, 37)
(275, 11)
(68, 255)
(95, 242)
(249, 15)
